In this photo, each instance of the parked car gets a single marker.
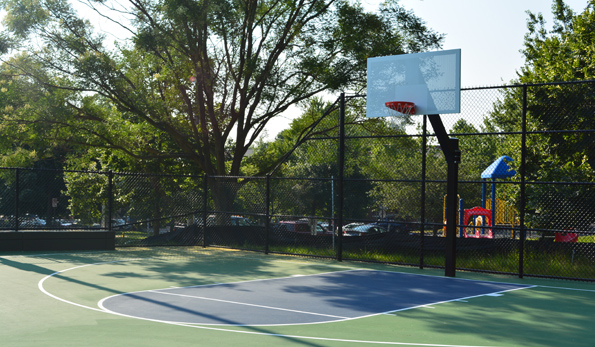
(120, 224)
(358, 229)
(392, 226)
(299, 226)
(240, 221)
(350, 226)
(31, 221)
(327, 226)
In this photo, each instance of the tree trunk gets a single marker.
(223, 191)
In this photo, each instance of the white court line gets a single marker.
(43, 290)
(247, 304)
(497, 294)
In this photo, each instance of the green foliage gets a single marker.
(371, 162)
(194, 84)
(88, 196)
(553, 153)
(196, 76)
(563, 54)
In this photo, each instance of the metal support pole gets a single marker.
(339, 226)
(461, 217)
(451, 215)
(450, 148)
(16, 199)
(484, 193)
(267, 218)
(110, 198)
(493, 202)
(334, 221)
(424, 151)
(205, 196)
(523, 169)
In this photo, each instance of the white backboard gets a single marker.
(432, 80)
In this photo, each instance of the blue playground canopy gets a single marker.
(499, 169)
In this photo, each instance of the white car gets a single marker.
(357, 229)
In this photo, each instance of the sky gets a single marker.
(490, 34)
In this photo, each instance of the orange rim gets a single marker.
(404, 107)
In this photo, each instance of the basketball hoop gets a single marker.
(400, 108)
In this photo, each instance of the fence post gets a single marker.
(16, 199)
(110, 198)
(462, 218)
(523, 233)
(267, 220)
(205, 196)
(333, 216)
(451, 227)
(339, 227)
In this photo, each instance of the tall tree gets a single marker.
(201, 72)
(196, 75)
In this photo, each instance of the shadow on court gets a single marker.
(537, 317)
(25, 267)
(171, 272)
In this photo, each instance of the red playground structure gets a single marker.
(477, 219)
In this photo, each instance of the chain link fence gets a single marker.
(367, 190)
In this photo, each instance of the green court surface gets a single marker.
(55, 299)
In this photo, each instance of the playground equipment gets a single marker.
(567, 236)
(476, 222)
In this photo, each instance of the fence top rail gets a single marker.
(521, 85)
(123, 173)
(158, 175)
(52, 170)
(503, 86)
(247, 178)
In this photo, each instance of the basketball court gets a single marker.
(210, 297)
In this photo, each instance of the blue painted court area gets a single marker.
(326, 297)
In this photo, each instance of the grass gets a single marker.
(131, 235)
(560, 263)
(556, 261)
